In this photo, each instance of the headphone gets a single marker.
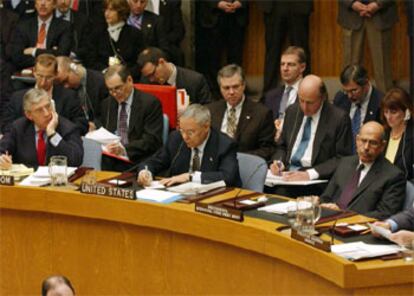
(73, 67)
(407, 115)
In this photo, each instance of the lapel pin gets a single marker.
(248, 117)
(149, 26)
(211, 159)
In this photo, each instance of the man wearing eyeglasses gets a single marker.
(358, 97)
(367, 183)
(66, 101)
(195, 153)
(136, 117)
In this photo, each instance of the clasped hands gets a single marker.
(365, 10)
(278, 170)
(229, 7)
(145, 179)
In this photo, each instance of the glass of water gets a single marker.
(58, 166)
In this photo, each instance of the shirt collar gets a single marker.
(172, 80)
(47, 22)
(295, 85)
(239, 105)
(203, 144)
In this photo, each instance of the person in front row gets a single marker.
(57, 285)
(367, 183)
(402, 226)
(42, 133)
(195, 153)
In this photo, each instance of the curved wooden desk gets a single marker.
(110, 246)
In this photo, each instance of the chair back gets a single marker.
(253, 170)
(409, 196)
(92, 154)
(165, 128)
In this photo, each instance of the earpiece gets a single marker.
(407, 115)
(73, 67)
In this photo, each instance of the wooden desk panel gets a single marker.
(110, 246)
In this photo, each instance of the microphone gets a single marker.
(174, 159)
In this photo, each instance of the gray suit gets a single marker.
(405, 220)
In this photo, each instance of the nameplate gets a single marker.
(117, 192)
(6, 180)
(218, 211)
(311, 240)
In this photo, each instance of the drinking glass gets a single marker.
(58, 166)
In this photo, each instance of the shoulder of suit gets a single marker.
(189, 72)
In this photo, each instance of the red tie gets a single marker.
(41, 36)
(75, 5)
(41, 148)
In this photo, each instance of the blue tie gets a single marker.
(356, 124)
(295, 160)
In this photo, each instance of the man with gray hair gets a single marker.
(195, 153)
(33, 139)
(250, 124)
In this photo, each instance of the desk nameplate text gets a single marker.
(117, 192)
(6, 180)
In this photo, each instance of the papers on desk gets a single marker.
(272, 180)
(155, 185)
(42, 178)
(380, 230)
(102, 136)
(18, 171)
(360, 250)
(278, 208)
(191, 188)
(156, 195)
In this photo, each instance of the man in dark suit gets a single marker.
(410, 31)
(371, 18)
(41, 34)
(66, 101)
(250, 124)
(89, 85)
(136, 117)
(81, 29)
(292, 66)
(358, 98)
(155, 68)
(23, 8)
(283, 19)
(315, 135)
(367, 183)
(195, 153)
(33, 139)
(8, 24)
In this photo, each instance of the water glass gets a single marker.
(408, 252)
(58, 166)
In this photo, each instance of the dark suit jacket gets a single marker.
(66, 101)
(410, 17)
(208, 14)
(373, 110)
(383, 19)
(8, 24)
(20, 142)
(219, 159)
(172, 20)
(273, 98)
(25, 9)
(380, 194)
(333, 138)
(153, 31)
(255, 129)
(404, 159)
(58, 40)
(145, 124)
(304, 7)
(405, 219)
(97, 93)
(129, 45)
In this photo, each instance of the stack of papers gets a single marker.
(102, 136)
(191, 188)
(278, 208)
(42, 178)
(156, 195)
(272, 180)
(18, 171)
(360, 250)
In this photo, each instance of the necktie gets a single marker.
(356, 124)
(41, 148)
(123, 128)
(231, 122)
(283, 103)
(196, 161)
(349, 189)
(295, 160)
(41, 36)
(135, 21)
(75, 5)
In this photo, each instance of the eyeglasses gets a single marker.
(189, 133)
(353, 91)
(371, 143)
(117, 89)
(43, 77)
(151, 75)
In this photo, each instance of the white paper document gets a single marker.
(155, 185)
(191, 188)
(360, 250)
(156, 195)
(18, 171)
(278, 208)
(42, 178)
(102, 136)
(272, 180)
(380, 230)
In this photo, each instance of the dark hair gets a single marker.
(355, 73)
(121, 70)
(120, 6)
(230, 71)
(298, 51)
(52, 281)
(323, 91)
(150, 55)
(46, 60)
(395, 99)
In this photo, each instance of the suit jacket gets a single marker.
(255, 129)
(219, 160)
(380, 194)
(25, 9)
(410, 17)
(304, 7)
(383, 19)
(172, 20)
(20, 142)
(273, 98)
(373, 110)
(145, 124)
(208, 14)
(153, 31)
(66, 102)
(333, 138)
(58, 40)
(8, 24)
(405, 219)
(97, 93)
(404, 159)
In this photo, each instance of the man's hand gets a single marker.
(144, 178)
(372, 8)
(296, 176)
(277, 167)
(116, 148)
(403, 238)
(382, 224)
(278, 127)
(92, 126)
(29, 51)
(52, 125)
(5, 161)
(175, 179)
(330, 206)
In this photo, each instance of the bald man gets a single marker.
(367, 183)
(57, 285)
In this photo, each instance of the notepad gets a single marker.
(156, 195)
(361, 250)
